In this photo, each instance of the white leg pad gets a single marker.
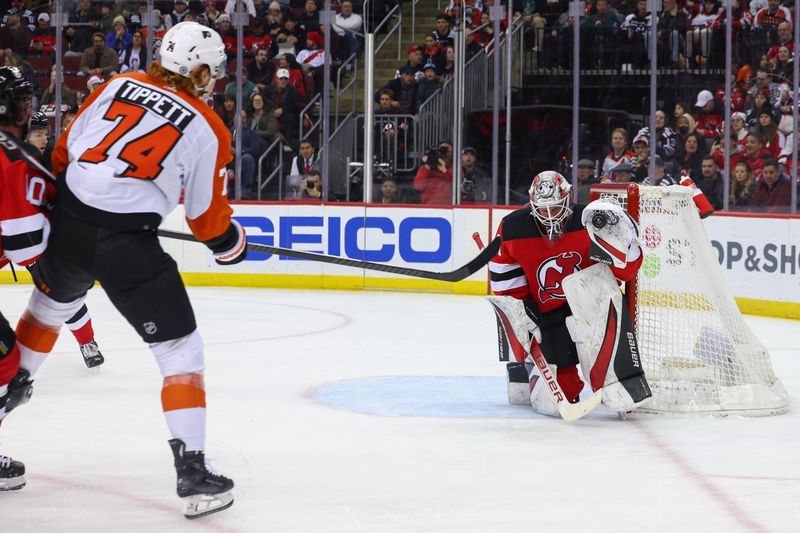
(541, 398)
(180, 356)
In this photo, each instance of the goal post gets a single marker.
(698, 353)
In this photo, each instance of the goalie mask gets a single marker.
(551, 201)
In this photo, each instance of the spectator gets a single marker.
(785, 39)
(296, 78)
(68, 96)
(310, 187)
(248, 87)
(137, 18)
(710, 182)
(260, 118)
(25, 15)
(767, 129)
(99, 59)
(134, 57)
(159, 30)
(347, 24)
(773, 192)
(261, 70)
(388, 191)
(289, 37)
(739, 127)
(178, 14)
(405, 91)
(274, 20)
(641, 159)
(602, 20)
(782, 65)
(252, 147)
(622, 173)
(313, 57)
(119, 38)
(476, 185)
(761, 104)
(210, 14)
(94, 82)
(446, 153)
(690, 155)
(680, 109)
(449, 67)
(286, 107)
(718, 149)
(228, 110)
(433, 52)
(308, 20)
(634, 35)
(43, 41)
(742, 187)
(753, 154)
(672, 25)
(257, 40)
(247, 7)
(772, 15)
(619, 152)
(666, 138)
(663, 178)
(15, 36)
(305, 160)
(686, 126)
(586, 179)
(766, 84)
(80, 37)
(785, 158)
(228, 34)
(700, 31)
(414, 60)
(429, 84)
(709, 116)
(534, 22)
(434, 180)
(106, 17)
(444, 33)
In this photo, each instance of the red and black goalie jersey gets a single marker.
(23, 191)
(530, 265)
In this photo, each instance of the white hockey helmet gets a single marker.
(551, 201)
(188, 45)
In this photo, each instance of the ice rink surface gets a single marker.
(378, 412)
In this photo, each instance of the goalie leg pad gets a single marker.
(516, 326)
(603, 335)
(518, 385)
(541, 397)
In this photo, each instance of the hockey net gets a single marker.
(698, 353)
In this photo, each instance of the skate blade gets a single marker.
(94, 362)
(205, 504)
(12, 483)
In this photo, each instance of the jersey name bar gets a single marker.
(157, 102)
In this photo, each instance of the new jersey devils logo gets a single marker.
(552, 272)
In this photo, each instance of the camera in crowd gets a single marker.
(311, 184)
(434, 155)
(467, 186)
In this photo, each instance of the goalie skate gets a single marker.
(12, 474)
(204, 491)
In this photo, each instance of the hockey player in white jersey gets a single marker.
(138, 143)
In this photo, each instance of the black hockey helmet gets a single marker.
(13, 86)
(39, 122)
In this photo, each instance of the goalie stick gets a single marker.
(569, 411)
(456, 275)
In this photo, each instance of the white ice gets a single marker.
(371, 411)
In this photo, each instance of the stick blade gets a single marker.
(573, 411)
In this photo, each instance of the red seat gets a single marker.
(71, 63)
(219, 86)
(40, 64)
(76, 83)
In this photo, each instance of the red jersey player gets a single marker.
(23, 237)
(543, 244)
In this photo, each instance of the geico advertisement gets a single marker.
(428, 239)
(760, 256)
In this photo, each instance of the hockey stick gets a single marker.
(456, 275)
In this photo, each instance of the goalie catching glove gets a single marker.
(230, 247)
(614, 234)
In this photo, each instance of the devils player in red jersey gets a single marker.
(543, 244)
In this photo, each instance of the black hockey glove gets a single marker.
(230, 247)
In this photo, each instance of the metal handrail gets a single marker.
(341, 90)
(277, 170)
(336, 168)
(396, 28)
(314, 125)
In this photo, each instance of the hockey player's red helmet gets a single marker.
(551, 201)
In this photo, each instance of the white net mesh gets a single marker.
(699, 355)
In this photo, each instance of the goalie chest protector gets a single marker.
(530, 265)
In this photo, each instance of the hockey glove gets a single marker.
(614, 234)
(230, 247)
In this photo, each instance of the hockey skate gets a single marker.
(91, 354)
(204, 491)
(12, 474)
(19, 390)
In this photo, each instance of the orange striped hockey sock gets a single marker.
(183, 399)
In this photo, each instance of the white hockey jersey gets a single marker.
(134, 147)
